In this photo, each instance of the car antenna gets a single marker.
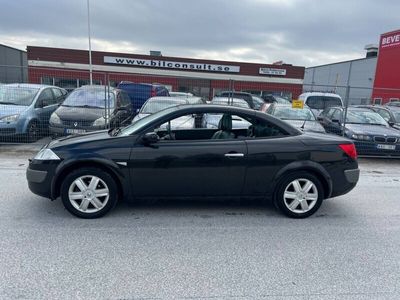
(304, 123)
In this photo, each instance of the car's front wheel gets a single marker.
(89, 193)
(299, 195)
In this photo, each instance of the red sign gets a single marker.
(387, 75)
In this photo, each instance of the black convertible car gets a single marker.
(270, 160)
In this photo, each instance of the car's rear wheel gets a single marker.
(299, 195)
(89, 193)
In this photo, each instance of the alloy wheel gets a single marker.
(300, 195)
(88, 194)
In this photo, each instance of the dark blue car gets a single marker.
(140, 92)
(371, 134)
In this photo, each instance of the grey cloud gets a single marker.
(305, 29)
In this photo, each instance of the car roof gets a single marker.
(30, 85)
(94, 86)
(140, 83)
(235, 92)
(166, 98)
(320, 94)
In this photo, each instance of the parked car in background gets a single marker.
(391, 114)
(213, 120)
(274, 162)
(269, 98)
(90, 108)
(140, 92)
(393, 103)
(156, 104)
(25, 109)
(303, 119)
(318, 101)
(258, 102)
(180, 94)
(371, 134)
(239, 95)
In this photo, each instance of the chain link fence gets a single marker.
(66, 105)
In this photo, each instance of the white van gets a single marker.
(318, 101)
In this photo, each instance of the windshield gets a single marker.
(232, 101)
(365, 117)
(258, 102)
(396, 116)
(281, 100)
(17, 95)
(289, 113)
(322, 102)
(95, 98)
(153, 106)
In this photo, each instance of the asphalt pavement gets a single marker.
(206, 250)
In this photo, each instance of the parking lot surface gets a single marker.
(175, 250)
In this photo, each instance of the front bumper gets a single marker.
(62, 131)
(371, 148)
(40, 175)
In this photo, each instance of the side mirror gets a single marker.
(150, 138)
(391, 124)
(336, 121)
(320, 118)
(44, 103)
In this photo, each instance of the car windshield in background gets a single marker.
(143, 122)
(95, 98)
(396, 116)
(152, 107)
(281, 100)
(17, 95)
(289, 113)
(258, 102)
(365, 117)
(322, 102)
(232, 101)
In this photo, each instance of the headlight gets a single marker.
(361, 137)
(100, 122)
(46, 154)
(9, 119)
(55, 119)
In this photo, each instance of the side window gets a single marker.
(209, 126)
(46, 98)
(330, 113)
(384, 114)
(59, 97)
(337, 115)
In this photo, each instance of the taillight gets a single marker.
(349, 149)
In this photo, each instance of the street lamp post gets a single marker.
(90, 45)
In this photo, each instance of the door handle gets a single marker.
(234, 155)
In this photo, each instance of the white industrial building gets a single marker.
(358, 74)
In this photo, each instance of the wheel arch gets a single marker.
(307, 166)
(85, 163)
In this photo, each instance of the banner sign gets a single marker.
(272, 71)
(166, 64)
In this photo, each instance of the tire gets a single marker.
(299, 195)
(33, 131)
(86, 201)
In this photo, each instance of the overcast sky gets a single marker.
(300, 32)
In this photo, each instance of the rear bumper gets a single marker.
(345, 182)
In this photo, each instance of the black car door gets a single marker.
(199, 166)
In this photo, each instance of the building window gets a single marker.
(377, 101)
(394, 100)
